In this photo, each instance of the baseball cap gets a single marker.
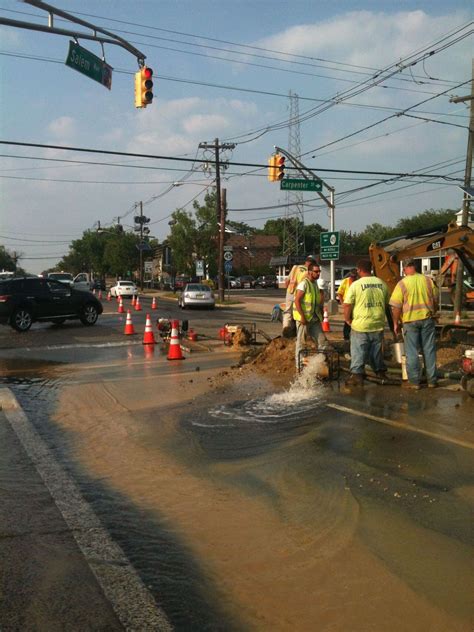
(311, 258)
(409, 261)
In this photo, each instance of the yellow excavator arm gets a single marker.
(386, 265)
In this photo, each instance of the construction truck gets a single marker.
(386, 256)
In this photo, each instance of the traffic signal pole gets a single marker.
(309, 174)
(141, 249)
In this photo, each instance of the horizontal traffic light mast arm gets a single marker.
(307, 173)
(116, 39)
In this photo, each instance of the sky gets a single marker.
(224, 69)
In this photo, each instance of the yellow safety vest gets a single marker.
(415, 295)
(311, 303)
(297, 274)
(343, 288)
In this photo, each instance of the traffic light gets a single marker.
(279, 167)
(143, 87)
(272, 168)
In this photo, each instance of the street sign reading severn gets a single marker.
(329, 245)
(89, 64)
(295, 184)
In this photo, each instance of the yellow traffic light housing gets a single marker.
(143, 87)
(279, 167)
(272, 172)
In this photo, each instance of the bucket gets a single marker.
(399, 351)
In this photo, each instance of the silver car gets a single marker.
(197, 295)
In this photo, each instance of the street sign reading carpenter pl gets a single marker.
(89, 64)
(329, 243)
(295, 184)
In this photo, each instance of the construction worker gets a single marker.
(308, 310)
(341, 293)
(364, 311)
(414, 301)
(297, 274)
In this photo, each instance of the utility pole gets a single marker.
(458, 296)
(220, 209)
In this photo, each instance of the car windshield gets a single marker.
(195, 287)
(125, 283)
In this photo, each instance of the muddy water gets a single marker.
(273, 511)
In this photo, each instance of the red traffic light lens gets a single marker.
(147, 73)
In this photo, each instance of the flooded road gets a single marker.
(245, 509)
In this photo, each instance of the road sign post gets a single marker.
(300, 184)
(329, 246)
(88, 64)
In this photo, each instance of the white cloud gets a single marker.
(205, 123)
(63, 127)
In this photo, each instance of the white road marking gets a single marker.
(128, 596)
(403, 426)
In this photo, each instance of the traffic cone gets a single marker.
(138, 307)
(134, 298)
(109, 296)
(100, 295)
(148, 336)
(457, 319)
(325, 325)
(129, 328)
(153, 303)
(120, 306)
(174, 352)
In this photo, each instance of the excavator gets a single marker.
(386, 256)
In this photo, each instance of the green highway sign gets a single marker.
(296, 184)
(89, 64)
(329, 245)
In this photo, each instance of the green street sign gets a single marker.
(296, 184)
(329, 245)
(89, 64)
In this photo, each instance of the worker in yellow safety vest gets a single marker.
(414, 301)
(297, 274)
(308, 311)
(341, 293)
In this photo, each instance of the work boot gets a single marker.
(411, 386)
(355, 379)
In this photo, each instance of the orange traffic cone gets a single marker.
(138, 307)
(325, 325)
(109, 296)
(100, 295)
(457, 319)
(174, 352)
(134, 298)
(129, 328)
(148, 336)
(153, 303)
(120, 307)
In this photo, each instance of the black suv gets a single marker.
(24, 300)
(267, 281)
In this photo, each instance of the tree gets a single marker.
(426, 219)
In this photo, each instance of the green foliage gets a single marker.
(7, 262)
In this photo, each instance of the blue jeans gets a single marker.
(420, 336)
(366, 348)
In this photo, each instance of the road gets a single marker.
(139, 493)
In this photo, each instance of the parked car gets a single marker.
(62, 277)
(268, 280)
(232, 282)
(24, 300)
(196, 295)
(246, 281)
(124, 288)
(180, 281)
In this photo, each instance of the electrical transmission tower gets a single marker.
(293, 236)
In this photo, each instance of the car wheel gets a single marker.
(21, 319)
(89, 315)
